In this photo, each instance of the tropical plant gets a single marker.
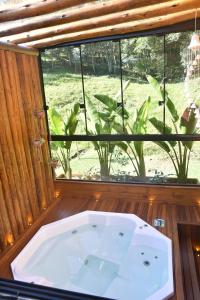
(178, 151)
(105, 122)
(64, 126)
(111, 121)
(138, 126)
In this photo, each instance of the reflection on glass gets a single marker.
(63, 84)
(102, 85)
(158, 162)
(142, 57)
(182, 85)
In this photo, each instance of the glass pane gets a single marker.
(102, 84)
(142, 57)
(77, 160)
(165, 157)
(63, 89)
(183, 84)
(157, 162)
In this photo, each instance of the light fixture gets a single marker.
(29, 220)
(195, 42)
(192, 72)
(9, 239)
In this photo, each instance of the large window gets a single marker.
(120, 110)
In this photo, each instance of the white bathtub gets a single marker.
(112, 255)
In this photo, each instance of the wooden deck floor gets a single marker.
(69, 204)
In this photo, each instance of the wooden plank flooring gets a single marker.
(189, 238)
(71, 203)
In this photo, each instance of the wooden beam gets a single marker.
(38, 8)
(18, 49)
(111, 19)
(87, 12)
(122, 28)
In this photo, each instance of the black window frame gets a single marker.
(180, 27)
(14, 290)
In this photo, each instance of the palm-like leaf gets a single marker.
(65, 128)
(95, 125)
(188, 125)
(164, 97)
(55, 121)
(140, 124)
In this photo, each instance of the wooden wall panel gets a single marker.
(26, 185)
(145, 193)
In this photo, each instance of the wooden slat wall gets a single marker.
(26, 185)
(180, 195)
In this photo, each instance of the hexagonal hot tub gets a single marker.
(114, 255)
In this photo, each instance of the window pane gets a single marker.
(120, 162)
(79, 162)
(102, 84)
(63, 88)
(142, 57)
(183, 88)
(163, 162)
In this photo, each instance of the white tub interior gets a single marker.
(106, 254)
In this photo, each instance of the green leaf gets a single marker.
(112, 106)
(164, 97)
(68, 145)
(56, 121)
(123, 146)
(104, 115)
(98, 128)
(188, 125)
(54, 146)
(94, 117)
(72, 122)
(107, 101)
(111, 146)
(171, 107)
(139, 148)
(159, 125)
(163, 145)
(156, 85)
(76, 108)
(96, 145)
(139, 126)
(118, 128)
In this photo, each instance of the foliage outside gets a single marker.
(140, 56)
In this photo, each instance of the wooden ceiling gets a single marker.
(45, 23)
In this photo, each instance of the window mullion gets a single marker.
(83, 90)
